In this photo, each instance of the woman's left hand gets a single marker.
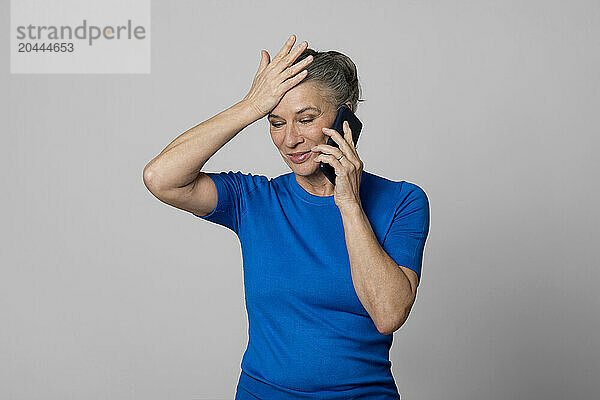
(348, 166)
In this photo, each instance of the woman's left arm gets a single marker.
(386, 290)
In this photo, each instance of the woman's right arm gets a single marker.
(174, 176)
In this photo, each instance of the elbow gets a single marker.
(391, 326)
(385, 331)
(392, 321)
(150, 178)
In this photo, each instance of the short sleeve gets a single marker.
(405, 240)
(232, 190)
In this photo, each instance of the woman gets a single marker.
(330, 271)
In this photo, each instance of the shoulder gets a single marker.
(410, 191)
(397, 188)
(248, 179)
(403, 195)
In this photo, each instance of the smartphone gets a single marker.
(344, 113)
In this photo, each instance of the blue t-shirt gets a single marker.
(309, 335)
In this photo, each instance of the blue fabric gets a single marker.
(309, 335)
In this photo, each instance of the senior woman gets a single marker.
(330, 271)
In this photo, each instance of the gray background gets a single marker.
(490, 106)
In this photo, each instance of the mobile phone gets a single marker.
(344, 113)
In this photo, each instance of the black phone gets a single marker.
(344, 114)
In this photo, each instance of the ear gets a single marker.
(349, 105)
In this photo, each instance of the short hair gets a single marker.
(334, 73)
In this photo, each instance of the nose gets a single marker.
(291, 136)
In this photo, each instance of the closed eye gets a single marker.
(278, 124)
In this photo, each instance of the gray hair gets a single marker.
(335, 74)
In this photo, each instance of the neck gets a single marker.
(316, 184)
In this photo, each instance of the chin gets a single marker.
(302, 170)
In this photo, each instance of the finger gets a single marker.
(264, 61)
(331, 160)
(355, 160)
(341, 141)
(327, 149)
(294, 69)
(348, 136)
(350, 152)
(286, 48)
(290, 58)
(293, 81)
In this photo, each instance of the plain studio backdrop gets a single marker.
(490, 106)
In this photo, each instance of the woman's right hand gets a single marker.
(274, 78)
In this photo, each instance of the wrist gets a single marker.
(351, 209)
(249, 110)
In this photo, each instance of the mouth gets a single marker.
(300, 156)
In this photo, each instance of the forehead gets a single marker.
(299, 97)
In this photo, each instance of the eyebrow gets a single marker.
(297, 112)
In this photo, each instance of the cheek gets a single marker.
(277, 138)
(315, 134)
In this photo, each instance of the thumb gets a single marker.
(265, 59)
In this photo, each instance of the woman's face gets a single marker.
(296, 123)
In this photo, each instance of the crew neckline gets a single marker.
(309, 197)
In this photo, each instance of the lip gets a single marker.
(299, 158)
